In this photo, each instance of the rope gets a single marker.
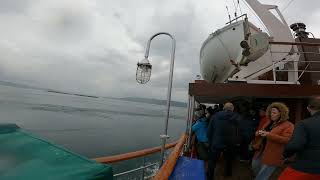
(240, 7)
(236, 5)
(235, 9)
(228, 14)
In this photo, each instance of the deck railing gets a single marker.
(297, 62)
(167, 168)
(138, 154)
(295, 43)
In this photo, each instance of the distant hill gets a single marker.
(18, 85)
(23, 86)
(153, 101)
(73, 94)
(133, 99)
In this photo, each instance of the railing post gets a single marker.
(189, 112)
(191, 118)
(188, 123)
(143, 165)
(274, 73)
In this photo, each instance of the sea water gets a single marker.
(92, 127)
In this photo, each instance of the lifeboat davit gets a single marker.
(225, 49)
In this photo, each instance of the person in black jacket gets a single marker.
(305, 144)
(222, 135)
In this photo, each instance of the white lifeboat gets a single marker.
(239, 51)
(221, 52)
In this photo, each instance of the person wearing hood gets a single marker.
(273, 136)
(199, 112)
(222, 139)
(200, 128)
(305, 144)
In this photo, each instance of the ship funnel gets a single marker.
(300, 30)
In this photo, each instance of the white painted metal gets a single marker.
(279, 31)
(165, 136)
(134, 170)
(224, 45)
(192, 107)
(220, 48)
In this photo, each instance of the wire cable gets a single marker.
(240, 7)
(252, 11)
(289, 3)
(228, 14)
(235, 9)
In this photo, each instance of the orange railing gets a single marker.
(132, 155)
(167, 168)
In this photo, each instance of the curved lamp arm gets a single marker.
(165, 136)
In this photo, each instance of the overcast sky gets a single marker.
(92, 46)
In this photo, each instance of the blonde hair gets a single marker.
(283, 109)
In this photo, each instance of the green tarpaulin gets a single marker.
(26, 157)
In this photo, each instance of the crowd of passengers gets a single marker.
(264, 137)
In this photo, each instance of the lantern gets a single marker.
(143, 73)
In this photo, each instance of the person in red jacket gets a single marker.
(258, 140)
(271, 141)
(263, 118)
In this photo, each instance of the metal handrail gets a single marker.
(294, 43)
(298, 52)
(235, 19)
(132, 155)
(297, 71)
(305, 70)
(134, 170)
(167, 168)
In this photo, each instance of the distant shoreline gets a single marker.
(152, 101)
(130, 99)
(74, 94)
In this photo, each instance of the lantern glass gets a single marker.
(143, 73)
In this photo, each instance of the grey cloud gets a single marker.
(67, 24)
(93, 47)
(14, 6)
(182, 24)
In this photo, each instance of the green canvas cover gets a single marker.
(26, 157)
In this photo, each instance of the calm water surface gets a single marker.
(89, 126)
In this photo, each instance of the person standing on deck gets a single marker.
(254, 145)
(215, 108)
(222, 139)
(271, 141)
(263, 118)
(200, 128)
(199, 112)
(247, 127)
(305, 143)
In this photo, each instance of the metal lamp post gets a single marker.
(143, 76)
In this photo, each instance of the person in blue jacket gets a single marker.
(200, 128)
